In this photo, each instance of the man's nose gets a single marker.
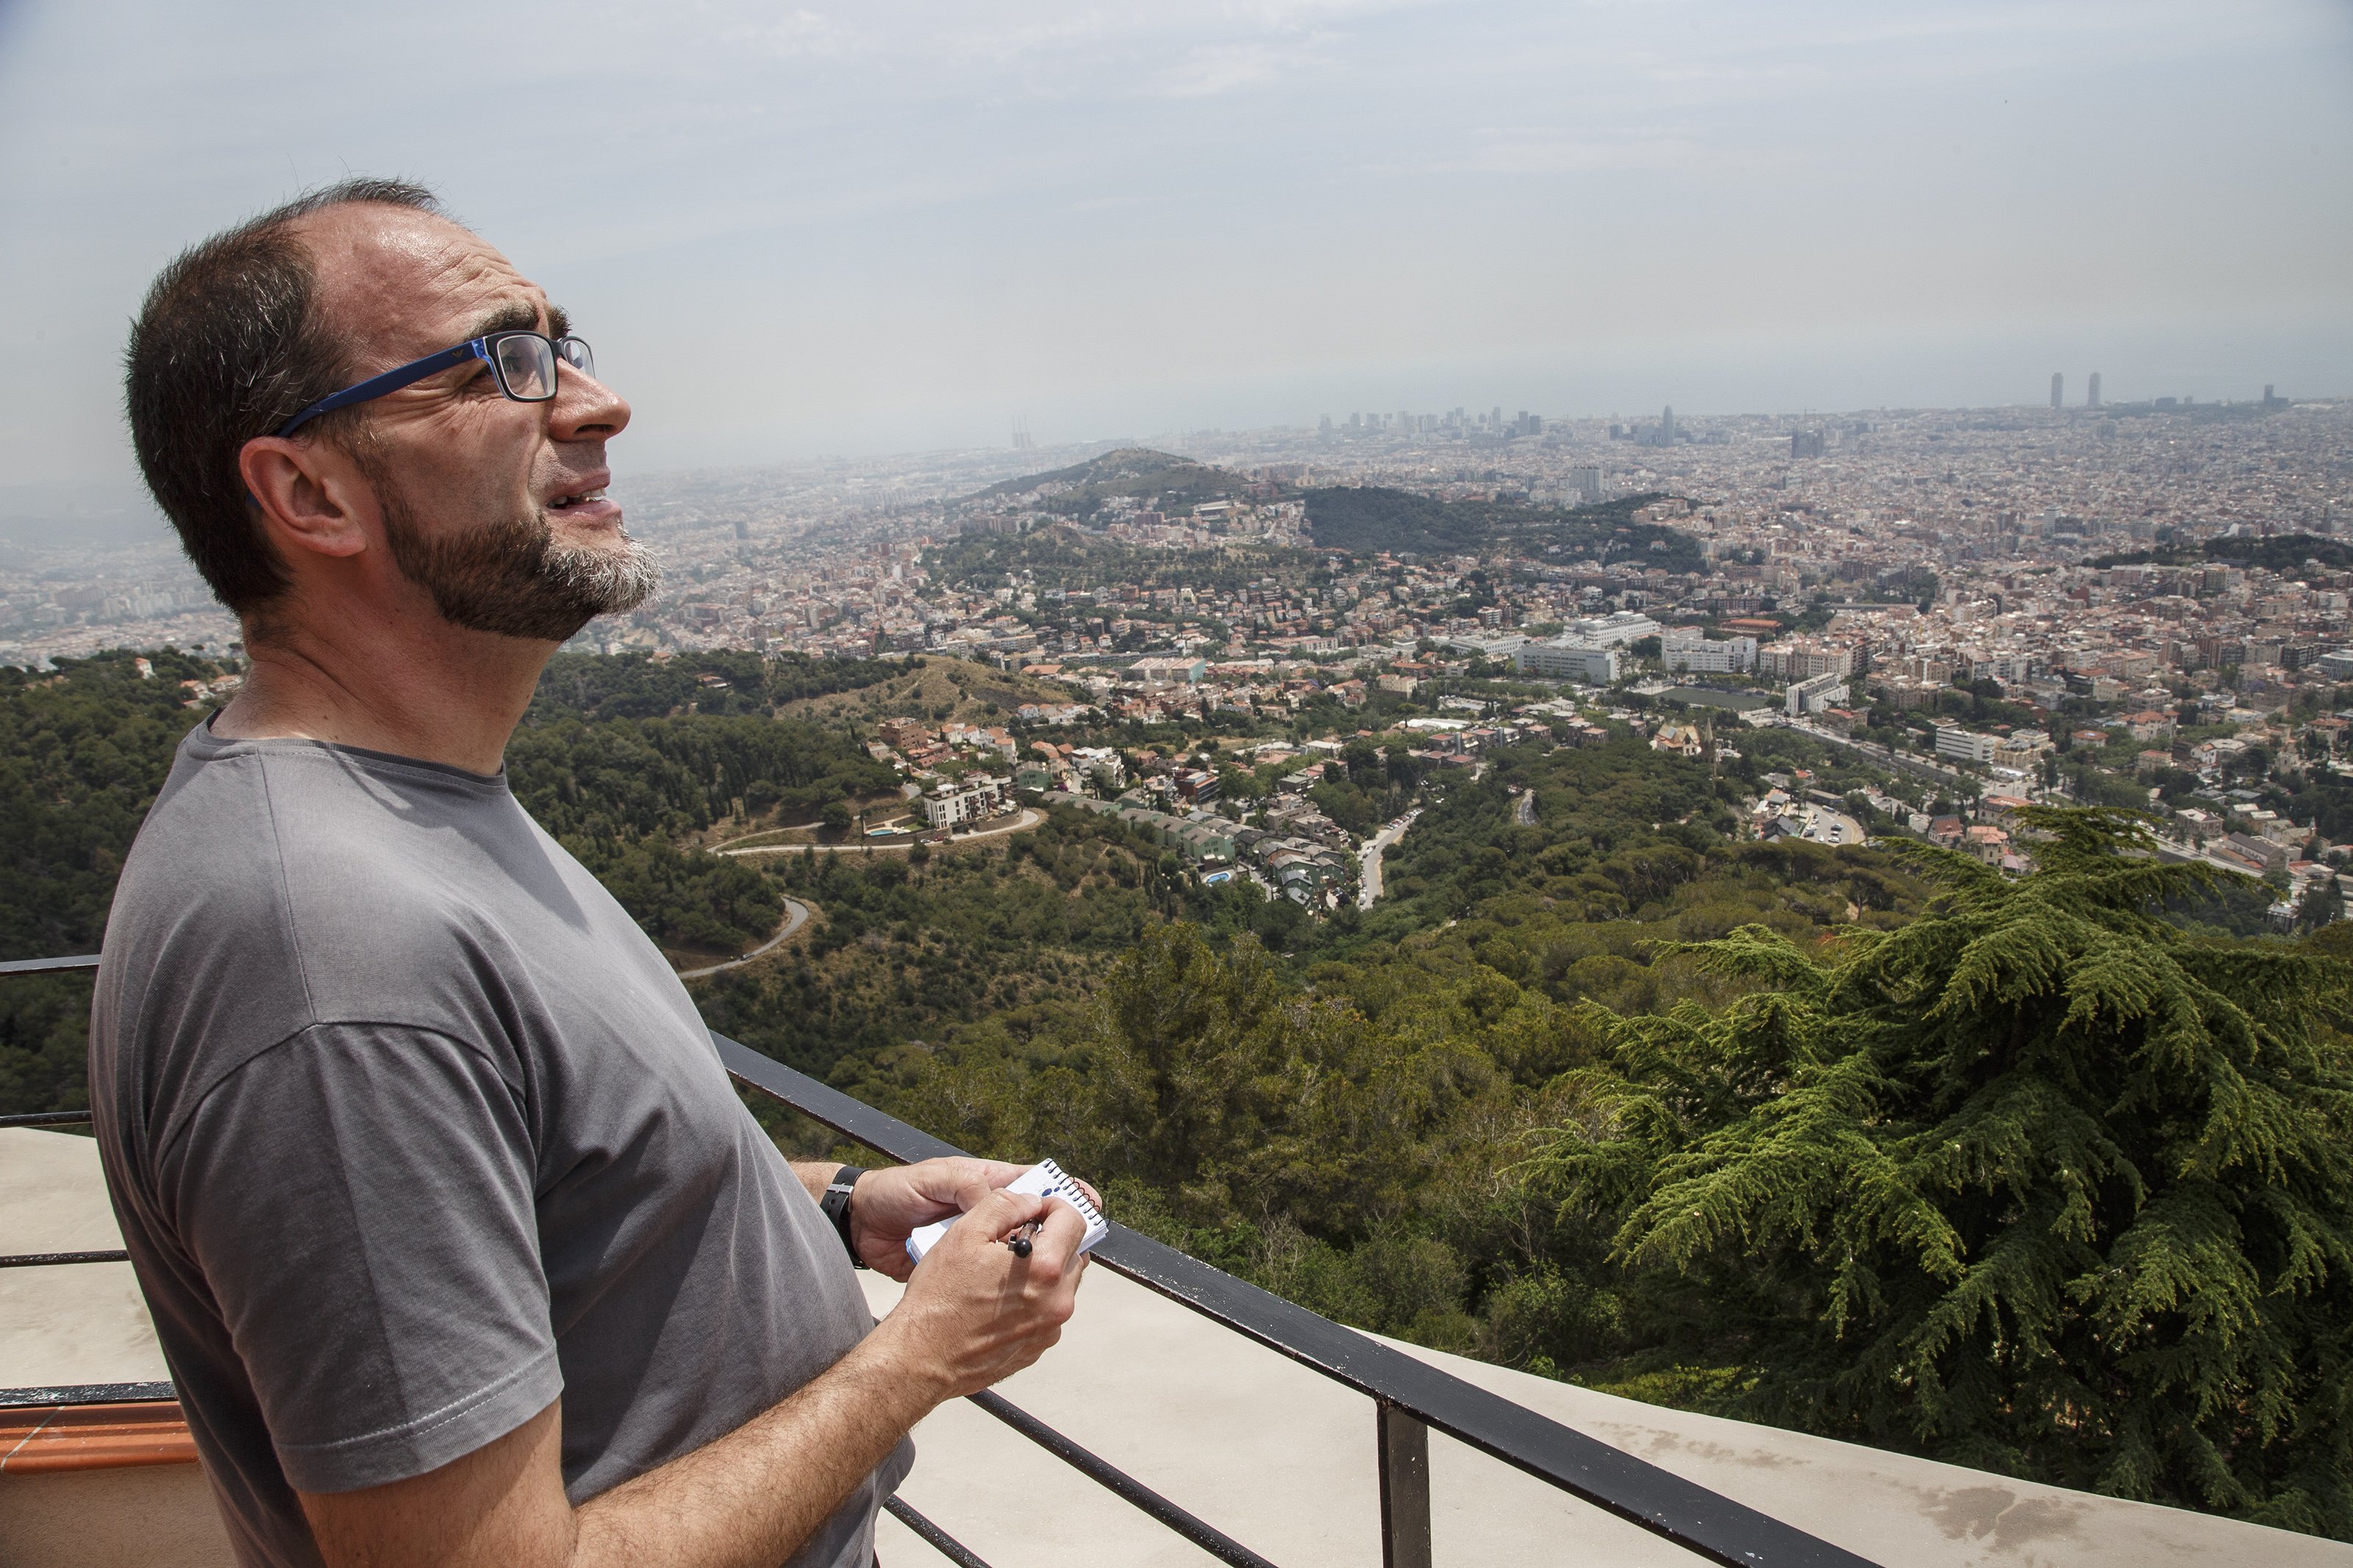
(585, 409)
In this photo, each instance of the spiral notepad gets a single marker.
(1044, 1180)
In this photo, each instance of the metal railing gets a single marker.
(1410, 1398)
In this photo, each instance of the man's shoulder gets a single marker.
(290, 886)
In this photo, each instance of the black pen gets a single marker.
(1019, 1240)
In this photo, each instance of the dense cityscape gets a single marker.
(1990, 606)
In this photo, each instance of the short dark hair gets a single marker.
(228, 347)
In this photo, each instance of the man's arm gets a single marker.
(973, 1313)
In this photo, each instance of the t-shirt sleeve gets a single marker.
(359, 1198)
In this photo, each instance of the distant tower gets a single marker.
(1667, 427)
(2058, 388)
(2092, 396)
(1021, 442)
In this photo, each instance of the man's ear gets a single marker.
(310, 496)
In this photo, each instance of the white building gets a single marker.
(1966, 745)
(1699, 654)
(1102, 765)
(961, 803)
(1611, 630)
(1815, 695)
(1566, 660)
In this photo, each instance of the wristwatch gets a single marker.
(836, 1205)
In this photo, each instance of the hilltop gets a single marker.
(1080, 490)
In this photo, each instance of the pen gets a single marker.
(1019, 1240)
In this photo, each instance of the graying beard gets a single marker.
(613, 581)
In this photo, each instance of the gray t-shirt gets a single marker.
(412, 1133)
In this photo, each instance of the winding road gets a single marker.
(797, 914)
(1029, 818)
(1368, 861)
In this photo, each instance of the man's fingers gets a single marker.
(993, 1212)
(941, 1180)
(1059, 1236)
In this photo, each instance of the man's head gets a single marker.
(444, 493)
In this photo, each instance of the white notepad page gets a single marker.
(1046, 1180)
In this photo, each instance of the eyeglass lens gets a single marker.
(576, 354)
(526, 367)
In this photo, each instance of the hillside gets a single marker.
(1080, 490)
(1061, 560)
(938, 689)
(1371, 519)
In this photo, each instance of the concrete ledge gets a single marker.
(1281, 1460)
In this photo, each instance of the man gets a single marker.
(459, 1247)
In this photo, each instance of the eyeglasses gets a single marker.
(524, 364)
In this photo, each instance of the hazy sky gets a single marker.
(886, 226)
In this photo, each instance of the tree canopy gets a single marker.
(2035, 1182)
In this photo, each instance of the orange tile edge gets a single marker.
(94, 1437)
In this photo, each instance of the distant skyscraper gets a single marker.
(2058, 388)
(1667, 427)
(2092, 395)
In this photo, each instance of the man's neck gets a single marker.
(450, 697)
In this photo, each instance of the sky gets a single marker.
(894, 226)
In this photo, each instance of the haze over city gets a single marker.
(838, 230)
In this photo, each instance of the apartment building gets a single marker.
(1695, 653)
(962, 803)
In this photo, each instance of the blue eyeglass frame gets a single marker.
(560, 350)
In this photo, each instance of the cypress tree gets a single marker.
(2038, 1184)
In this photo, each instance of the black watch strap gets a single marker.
(836, 1205)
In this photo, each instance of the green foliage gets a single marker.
(688, 900)
(640, 777)
(2035, 1182)
(617, 792)
(588, 686)
(1370, 519)
(1059, 560)
(905, 953)
(44, 1043)
(82, 753)
(1617, 827)
(2285, 552)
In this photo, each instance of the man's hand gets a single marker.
(888, 1205)
(975, 1313)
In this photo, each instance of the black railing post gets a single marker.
(1404, 1445)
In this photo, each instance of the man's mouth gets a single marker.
(576, 497)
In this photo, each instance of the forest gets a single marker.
(1370, 519)
(1060, 561)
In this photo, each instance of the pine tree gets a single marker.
(2037, 1183)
